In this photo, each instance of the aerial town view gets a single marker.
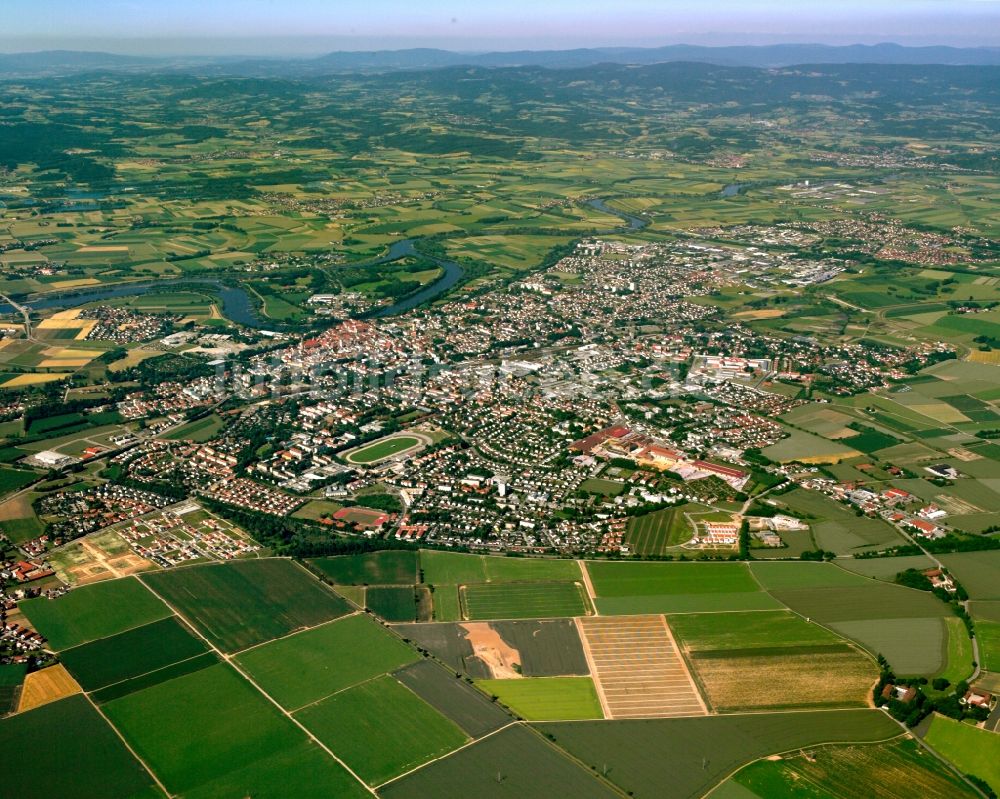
(505, 400)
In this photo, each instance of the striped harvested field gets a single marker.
(47, 685)
(637, 668)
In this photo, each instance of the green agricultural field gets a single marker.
(13, 479)
(547, 698)
(380, 450)
(885, 568)
(853, 603)
(306, 667)
(978, 572)
(447, 606)
(972, 750)
(213, 727)
(988, 637)
(149, 679)
(453, 697)
(751, 630)
(654, 579)
(388, 567)
(836, 528)
(11, 678)
(381, 729)
(199, 430)
(507, 570)
(913, 647)
(138, 651)
(604, 488)
(523, 600)
(694, 754)
(958, 661)
(847, 772)
(628, 588)
(514, 762)
(94, 611)
(778, 575)
(654, 533)
(241, 603)
(453, 568)
(394, 602)
(685, 603)
(74, 755)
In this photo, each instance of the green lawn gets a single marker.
(383, 449)
(547, 698)
(381, 729)
(94, 611)
(974, 751)
(311, 665)
(604, 488)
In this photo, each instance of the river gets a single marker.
(236, 303)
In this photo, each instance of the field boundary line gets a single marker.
(684, 665)
(588, 586)
(592, 666)
(298, 631)
(236, 667)
(146, 673)
(347, 688)
(466, 745)
(128, 746)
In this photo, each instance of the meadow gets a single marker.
(547, 698)
(974, 751)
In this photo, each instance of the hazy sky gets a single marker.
(313, 26)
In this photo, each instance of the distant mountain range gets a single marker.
(64, 62)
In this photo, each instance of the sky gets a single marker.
(304, 27)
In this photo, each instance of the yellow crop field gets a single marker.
(32, 380)
(47, 685)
